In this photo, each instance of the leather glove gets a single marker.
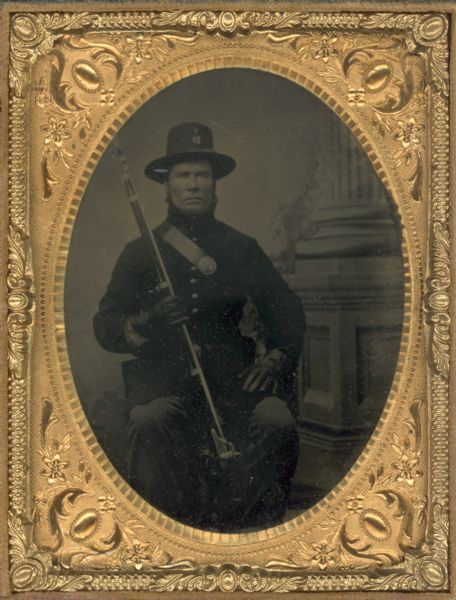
(169, 310)
(264, 375)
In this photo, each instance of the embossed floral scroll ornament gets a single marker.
(438, 301)
(355, 504)
(408, 466)
(379, 526)
(153, 46)
(54, 469)
(34, 35)
(55, 134)
(68, 520)
(31, 567)
(83, 75)
(136, 553)
(82, 70)
(86, 75)
(380, 76)
(425, 571)
(427, 36)
(139, 48)
(72, 527)
(20, 299)
(228, 578)
(377, 77)
(21, 310)
(325, 48)
(408, 133)
(228, 22)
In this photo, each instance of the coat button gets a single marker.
(195, 311)
(192, 268)
(195, 295)
(193, 281)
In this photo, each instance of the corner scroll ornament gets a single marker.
(74, 526)
(376, 532)
(420, 569)
(426, 571)
(381, 77)
(33, 36)
(427, 36)
(382, 531)
(30, 566)
(377, 77)
(85, 74)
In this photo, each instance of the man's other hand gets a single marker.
(261, 377)
(264, 375)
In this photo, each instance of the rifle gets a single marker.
(223, 447)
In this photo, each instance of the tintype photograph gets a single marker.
(227, 260)
(234, 343)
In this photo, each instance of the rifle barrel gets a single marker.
(155, 254)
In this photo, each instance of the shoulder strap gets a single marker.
(188, 249)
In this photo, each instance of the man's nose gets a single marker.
(193, 182)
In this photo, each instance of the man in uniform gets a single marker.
(247, 327)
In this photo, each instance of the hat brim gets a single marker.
(158, 169)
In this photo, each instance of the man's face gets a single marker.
(191, 187)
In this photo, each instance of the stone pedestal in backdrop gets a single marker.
(342, 256)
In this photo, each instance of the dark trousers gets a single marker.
(172, 461)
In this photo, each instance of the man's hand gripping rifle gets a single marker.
(224, 448)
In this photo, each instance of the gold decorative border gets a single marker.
(33, 36)
(406, 345)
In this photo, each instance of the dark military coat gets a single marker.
(215, 304)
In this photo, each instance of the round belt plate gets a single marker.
(207, 265)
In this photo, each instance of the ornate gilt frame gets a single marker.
(386, 526)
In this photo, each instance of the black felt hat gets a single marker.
(189, 142)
